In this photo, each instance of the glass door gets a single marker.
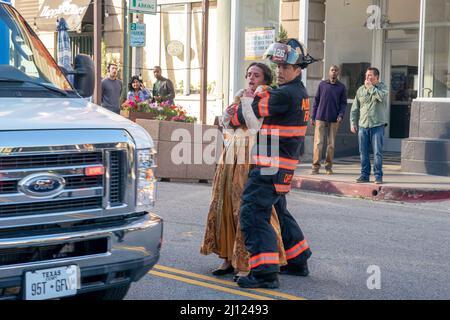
(401, 77)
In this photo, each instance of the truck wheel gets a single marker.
(115, 293)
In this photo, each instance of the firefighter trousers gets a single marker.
(260, 239)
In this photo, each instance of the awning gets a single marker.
(51, 10)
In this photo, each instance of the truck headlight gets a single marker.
(146, 181)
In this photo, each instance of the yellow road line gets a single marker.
(226, 282)
(208, 285)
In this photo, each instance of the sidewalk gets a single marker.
(397, 186)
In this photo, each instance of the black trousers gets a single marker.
(260, 239)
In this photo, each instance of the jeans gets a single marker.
(371, 137)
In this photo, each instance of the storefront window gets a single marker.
(173, 30)
(256, 19)
(437, 49)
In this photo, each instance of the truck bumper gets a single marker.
(132, 250)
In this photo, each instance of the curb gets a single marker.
(370, 190)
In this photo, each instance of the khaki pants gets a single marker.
(319, 139)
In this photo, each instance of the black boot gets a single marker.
(269, 280)
(295, 269)
(221, 272)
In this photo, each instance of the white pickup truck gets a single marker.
(76, 181)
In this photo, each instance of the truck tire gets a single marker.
(114, 293)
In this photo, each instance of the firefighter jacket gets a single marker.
(286, 113)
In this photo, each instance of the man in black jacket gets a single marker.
(286, 112)
(163, 89)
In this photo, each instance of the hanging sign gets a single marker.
(143, 6)
(71, 10)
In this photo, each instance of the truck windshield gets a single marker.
(25, 64)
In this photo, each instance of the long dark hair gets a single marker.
(268, 77)
(130, 84)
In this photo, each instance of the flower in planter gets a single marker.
(179, 118)
(159, 110)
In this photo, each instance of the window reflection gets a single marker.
(437, 49)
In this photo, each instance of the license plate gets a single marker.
(52, 283)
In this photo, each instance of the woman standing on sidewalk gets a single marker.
(136, 91)
(223, 235)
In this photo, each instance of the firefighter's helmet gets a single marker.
(289, 51)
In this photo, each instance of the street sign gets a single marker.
(143, 6)
(137, 34)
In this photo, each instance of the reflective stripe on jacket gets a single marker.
(286, 113)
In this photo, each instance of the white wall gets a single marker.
(403, 11)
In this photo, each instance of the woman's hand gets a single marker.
(249, 93)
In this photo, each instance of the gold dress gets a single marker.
(223, 235)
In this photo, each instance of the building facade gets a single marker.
(408, 40)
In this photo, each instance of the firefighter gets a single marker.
(285, 111)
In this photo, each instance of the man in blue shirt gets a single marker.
(328, 112)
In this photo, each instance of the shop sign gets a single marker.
(143, 6)
(257, 40)
(137, 35)
(71, 10)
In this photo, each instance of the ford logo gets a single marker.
(41, 185)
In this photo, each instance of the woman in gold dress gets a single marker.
(222, 235)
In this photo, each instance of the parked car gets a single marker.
(76, 181)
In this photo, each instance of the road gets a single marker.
(400, 251)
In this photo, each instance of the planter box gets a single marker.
(140, 115)
(181, 148)
(136, 115)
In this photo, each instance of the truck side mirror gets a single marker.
(84, 74)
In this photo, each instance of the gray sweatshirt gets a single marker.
(111, 90)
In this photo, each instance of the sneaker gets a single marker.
(295, 270)
(314, 171)
(362, 180)
(269, 281)
(329, 171)
(379, 180)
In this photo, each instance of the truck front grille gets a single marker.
(50, 160)
(96, 195)
(11, 256)
(76, 182)
(8, 187)
(116, 178)
(47, 207)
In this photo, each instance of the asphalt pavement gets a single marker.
(362, 249)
